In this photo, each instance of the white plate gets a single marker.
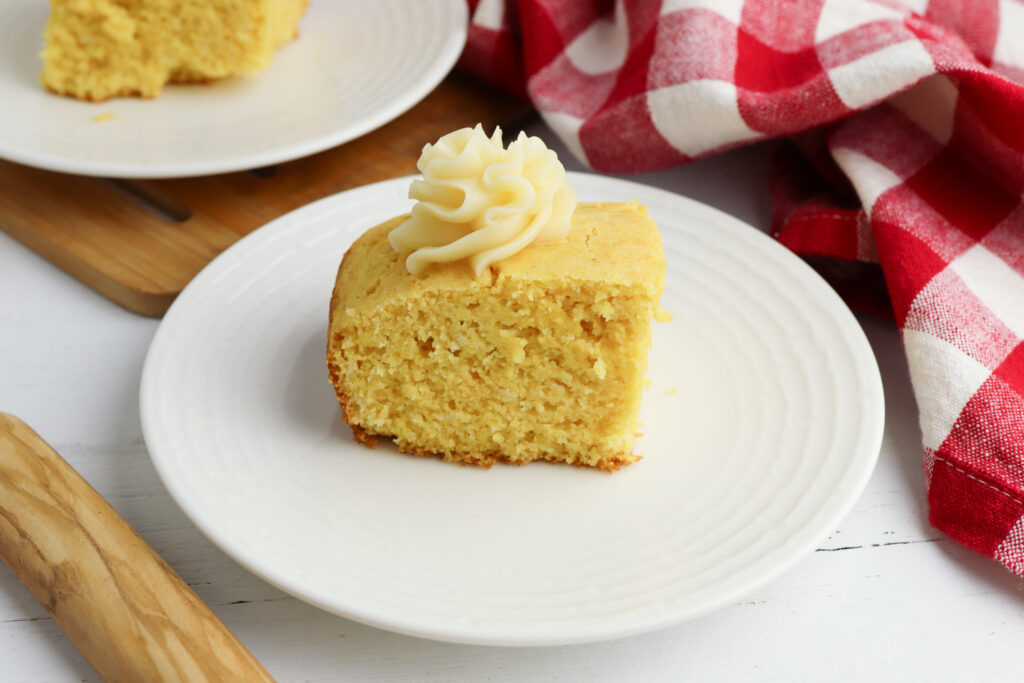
(356, 65)
(762, 425)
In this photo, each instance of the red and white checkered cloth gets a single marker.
(910, 157)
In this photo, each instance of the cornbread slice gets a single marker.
(98, 49)
(541, 357)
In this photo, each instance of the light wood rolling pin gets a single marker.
(129, 613)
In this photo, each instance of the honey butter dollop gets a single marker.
(481, 202)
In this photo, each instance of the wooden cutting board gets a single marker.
(139, 242)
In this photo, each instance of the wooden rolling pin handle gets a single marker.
(129, 613)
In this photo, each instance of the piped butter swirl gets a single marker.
(481, 202)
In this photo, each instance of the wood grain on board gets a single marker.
(140, 242)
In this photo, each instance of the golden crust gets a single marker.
(334, 372)
(612, 463)
(609, 462)
(87, 97)
(97, 50)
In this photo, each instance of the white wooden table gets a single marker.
(886, 597)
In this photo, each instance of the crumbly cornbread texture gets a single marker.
(98, 49)
(541, 357)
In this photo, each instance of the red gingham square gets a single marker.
(785, 26)
(1007, 241)
(953, 499)
(762, 68)
(995, 454)
(1011, 371)
(872, 134)
(626, 150)
(680, 48)
(976, 23)
(860, 41)
(918, 216)
(947, 309)
(575, 92)
(943, 184)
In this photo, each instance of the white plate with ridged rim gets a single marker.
(761, 426)
(356, 65)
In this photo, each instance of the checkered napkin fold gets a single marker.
(904, 155)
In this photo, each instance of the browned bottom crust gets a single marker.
(194, 80)
(184, 80)
(611, 463)
(485, 460)
(94, 100)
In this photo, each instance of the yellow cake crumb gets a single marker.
(541, 357)
(98, 49)
(105, 116)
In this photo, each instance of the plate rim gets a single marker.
(859, 476)
(451, 48)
